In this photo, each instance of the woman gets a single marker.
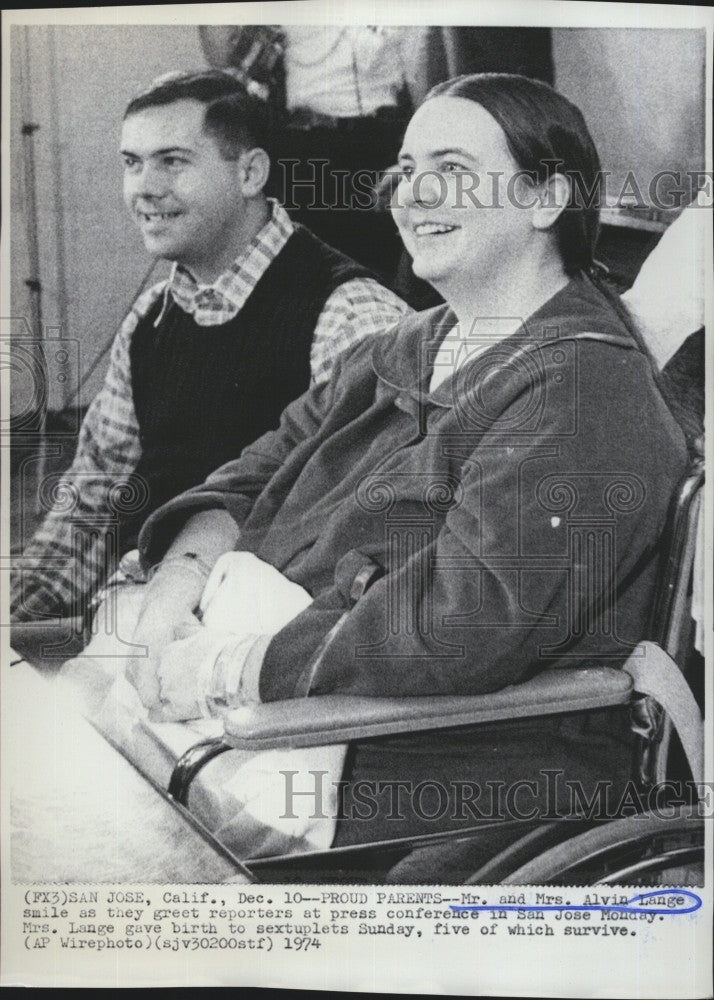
(470, 500)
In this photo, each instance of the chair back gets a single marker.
(672, 627)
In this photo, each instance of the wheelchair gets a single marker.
(662, 844)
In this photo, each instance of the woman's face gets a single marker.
(461, 203)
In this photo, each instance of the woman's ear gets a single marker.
(553, 198)
(254, 165)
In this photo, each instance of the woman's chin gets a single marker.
(429, 270)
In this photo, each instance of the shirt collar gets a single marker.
(220, 301)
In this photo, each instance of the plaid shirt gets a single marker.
(70, 554)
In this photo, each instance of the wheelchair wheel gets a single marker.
(645, 849)
(523, 850)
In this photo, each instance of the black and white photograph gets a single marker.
(356, 549)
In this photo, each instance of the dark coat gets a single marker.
(516, 513)
(544, 469)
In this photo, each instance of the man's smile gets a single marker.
(157, 216)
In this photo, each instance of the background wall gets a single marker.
(641, 92)
(74, 82)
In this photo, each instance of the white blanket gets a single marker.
(239, 796)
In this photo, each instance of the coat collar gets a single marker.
(405, 362)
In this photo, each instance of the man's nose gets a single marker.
(146, 181)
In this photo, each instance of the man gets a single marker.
(254, 311)
(342, 95)
(469, 501)
(345, 94)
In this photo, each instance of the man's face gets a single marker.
(456, 204)
(184, 196)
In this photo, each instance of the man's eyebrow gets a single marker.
(160, 152)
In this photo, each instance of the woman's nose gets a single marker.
(423, 188)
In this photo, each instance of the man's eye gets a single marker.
(173, 161)
(406, 171)
(451, 167)
(130, 162)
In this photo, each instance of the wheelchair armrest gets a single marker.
(327, 719)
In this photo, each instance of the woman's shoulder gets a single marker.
(583, 310)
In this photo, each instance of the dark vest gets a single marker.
(201, 394)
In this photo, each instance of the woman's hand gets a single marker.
(203, 671)
(167, 611)
(185, 673)
(244, 599)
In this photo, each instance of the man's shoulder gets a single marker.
(406, 333)
(139, 310)
(359, 294)
(352, 285)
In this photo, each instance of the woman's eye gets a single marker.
(450, 167)
(406, 171)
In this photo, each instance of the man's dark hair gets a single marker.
(235, 119)
(546, 134)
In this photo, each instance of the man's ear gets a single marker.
(254, 166)
(553, 198)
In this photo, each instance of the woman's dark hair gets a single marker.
(546, 134)
(236, 119)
